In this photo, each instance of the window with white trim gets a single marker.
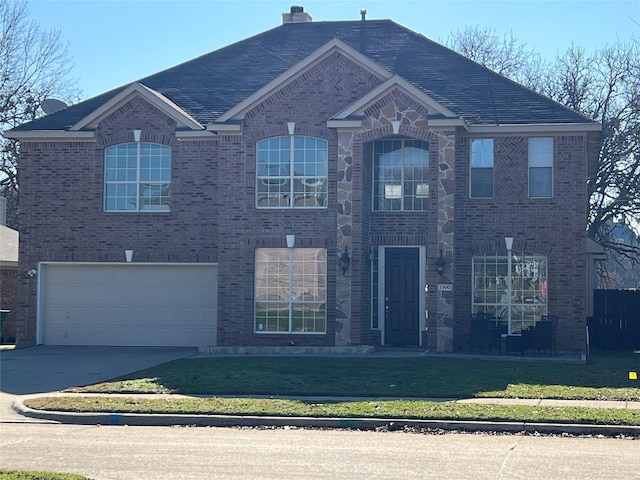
(527, 281)
(137, 177)
(291, 172)
(541, 167)
(400, 175)
(291, 290)
(481, 171)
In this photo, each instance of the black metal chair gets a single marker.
(485, 334)
(544, 335)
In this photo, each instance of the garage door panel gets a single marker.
(129, 304)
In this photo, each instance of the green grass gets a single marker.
(406, 409)
(401, 386)
(604, 377)
(25, 475)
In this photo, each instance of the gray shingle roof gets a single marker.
(209, 85)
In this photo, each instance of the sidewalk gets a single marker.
(355, 423)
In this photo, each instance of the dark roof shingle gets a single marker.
(209, 85)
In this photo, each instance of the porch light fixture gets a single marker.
(345, 260)
(440, 264)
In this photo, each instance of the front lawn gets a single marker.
(604, 377)
(251, 385)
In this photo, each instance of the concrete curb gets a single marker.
(129, 419)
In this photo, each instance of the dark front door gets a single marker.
(402, 301)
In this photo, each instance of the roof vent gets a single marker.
(297, 15)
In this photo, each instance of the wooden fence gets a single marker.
(615, 324)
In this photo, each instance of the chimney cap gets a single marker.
(296, 15)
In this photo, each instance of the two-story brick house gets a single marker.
(322, 184)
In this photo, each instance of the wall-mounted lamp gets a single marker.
(32, 273)
(508, 242)
(440, 264)
(345, 260)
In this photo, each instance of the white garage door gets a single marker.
(128, 304)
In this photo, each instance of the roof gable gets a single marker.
(396, 82)
(162, 103)
(299, 69)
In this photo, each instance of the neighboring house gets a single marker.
(8, 278)
(239, 181)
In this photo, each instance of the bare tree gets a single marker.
(34, 65)
(603, 86)
(505, 55)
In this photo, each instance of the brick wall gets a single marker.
(213, 216)
(554, 227)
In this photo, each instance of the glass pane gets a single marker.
(272, 317)
(541, 182)
(481, 182)
(482, 153)
(541, 152)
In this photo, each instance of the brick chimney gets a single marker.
(297, 15)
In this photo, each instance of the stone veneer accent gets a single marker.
(446, 204)
(410, 120)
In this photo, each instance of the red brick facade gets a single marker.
(213, 216)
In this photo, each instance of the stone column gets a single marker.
(344, 236)
(446, 182)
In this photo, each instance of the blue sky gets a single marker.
(115, 42)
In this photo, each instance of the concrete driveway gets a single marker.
(43, 369)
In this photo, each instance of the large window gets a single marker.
(137, 177)
(400, 175)
(541, 167)
(481, 171)
(291, 172)
(291, 290)
(527, 281)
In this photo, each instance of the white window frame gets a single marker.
(527, 282)
(396, 191)
(541, 157)
(482, 156)
(292, 189)
(294, 287)
(141, 203)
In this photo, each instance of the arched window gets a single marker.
(291, 172)
(527, 281)
(400, 175)
(137, 177)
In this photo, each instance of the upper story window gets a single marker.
(137, 178)
(400, 175)
(481, 171)
(291, 172)
(541, 167)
